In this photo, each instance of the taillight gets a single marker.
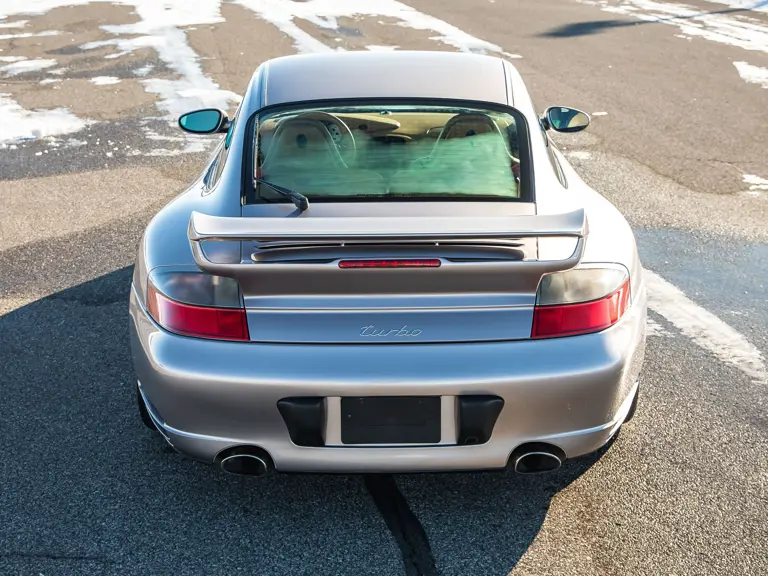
(580, 301)
(196, 304)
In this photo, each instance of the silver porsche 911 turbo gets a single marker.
(387, 266)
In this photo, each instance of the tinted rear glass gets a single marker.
(403, 151)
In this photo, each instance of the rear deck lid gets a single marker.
(382, 280)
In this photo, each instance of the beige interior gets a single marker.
(398, 152)
(298, 142)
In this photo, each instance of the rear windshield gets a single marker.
(396, 152)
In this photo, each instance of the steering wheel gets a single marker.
(340, 133)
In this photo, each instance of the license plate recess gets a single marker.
(390, 420)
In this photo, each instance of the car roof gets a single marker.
(385, 74)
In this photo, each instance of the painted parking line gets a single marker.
(704, 328)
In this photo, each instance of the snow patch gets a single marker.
(16, 24)
(757, 185)
(374, 48)
(189, 145)
(144, 70)
(159, 29)
(29, 34)
(161, 26)
(599, 113)
(752, 74)
(325, 14)
(12, 58)
(24, 66)
(579, 155)
(21, 124)
(50, 81)
(105, 80)
(756, 5)
(732, 29)
(180, 96)
(34, 7)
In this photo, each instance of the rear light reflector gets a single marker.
(432, 263)
(580, 318)
(200, 321)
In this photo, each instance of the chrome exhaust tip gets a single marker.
(246, 461)
(536, 457)
(535, 462)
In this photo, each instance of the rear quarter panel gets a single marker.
(610, 236)
(165, 241)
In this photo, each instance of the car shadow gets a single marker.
(87, 489)
(590, 27)
(483, 523)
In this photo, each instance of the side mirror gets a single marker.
(206, 121)
(564, 119)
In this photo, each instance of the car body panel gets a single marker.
(210, 396)
(469, 297)
(400, 74)
(207, 396)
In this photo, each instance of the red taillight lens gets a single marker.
(200, 321)
(410, 263)
(581, 318)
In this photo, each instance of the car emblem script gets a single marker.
(404, 331)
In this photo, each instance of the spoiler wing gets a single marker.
(387, 230)
(205, 228)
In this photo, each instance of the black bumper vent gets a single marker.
(305, 419)
(477, 417)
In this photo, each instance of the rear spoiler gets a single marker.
(205, 228)
(304, 231)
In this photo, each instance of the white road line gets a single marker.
(704, 328)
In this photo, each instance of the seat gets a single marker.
(463, 126)
(468, 124)
(470, 156)
(300, 145)
(302, 156)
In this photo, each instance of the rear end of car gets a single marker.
(373, 344)
(384, 293)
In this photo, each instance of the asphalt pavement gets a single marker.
(88, 153)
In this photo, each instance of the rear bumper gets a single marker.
(207, 396)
